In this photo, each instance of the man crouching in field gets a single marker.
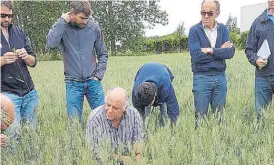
(118, 127)
(210, 46)
(153, 87)
(261, 32)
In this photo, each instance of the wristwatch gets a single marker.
(208, 50)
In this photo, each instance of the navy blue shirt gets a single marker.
(162, 77)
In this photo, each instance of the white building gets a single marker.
(249, 14)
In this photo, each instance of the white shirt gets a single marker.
(211, 34)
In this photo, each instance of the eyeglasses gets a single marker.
(203, 13)
(6, 15)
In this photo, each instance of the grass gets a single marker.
(239, 140)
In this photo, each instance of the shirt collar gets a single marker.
(215, 27)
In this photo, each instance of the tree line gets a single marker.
(123, 24)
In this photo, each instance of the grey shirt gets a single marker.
(80, 47)
(100, 130)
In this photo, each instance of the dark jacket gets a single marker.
(162, 77)
(262, 28)
(15, 77)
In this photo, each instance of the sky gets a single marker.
(188, 11)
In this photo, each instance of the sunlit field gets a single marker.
(240, 139)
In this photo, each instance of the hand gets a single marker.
(138, 157)
(227, 44)
(3, 140)
(96, 79)
(260, 62)
(66, 16)
(9, 58)
(22, 53)
(204, 50)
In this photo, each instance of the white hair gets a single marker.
(217, 3)
(126, 100)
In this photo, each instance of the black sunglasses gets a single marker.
(203, 13)
(6, 15)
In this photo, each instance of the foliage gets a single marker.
(36, 18)
(121, 21)
(232, 24)
(125, 21)
(166, 44)
(180, 29)
(243, 39)
(239, 40)
(235, 38)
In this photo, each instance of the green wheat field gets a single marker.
(240, 139)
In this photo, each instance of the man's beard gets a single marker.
(5, 24)
(81, 26)
(78, 25)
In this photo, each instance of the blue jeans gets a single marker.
(264, 90)
(209, 89)
(75, 92)
(25, 110)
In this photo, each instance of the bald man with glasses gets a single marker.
(210, 46)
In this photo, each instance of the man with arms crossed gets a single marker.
(209, 46)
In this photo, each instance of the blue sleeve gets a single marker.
(252, 45)
(194, 45)
(224, 53)
(170, 99)
(55, 34)
(102, 55)
(170, 74)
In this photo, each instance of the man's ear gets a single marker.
(125, 108)
(217, 13)
(124, 111)
(72, 17)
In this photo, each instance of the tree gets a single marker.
(231, 24)
(121, 21)
(180, 31)
(36, 18)
(125, 21)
